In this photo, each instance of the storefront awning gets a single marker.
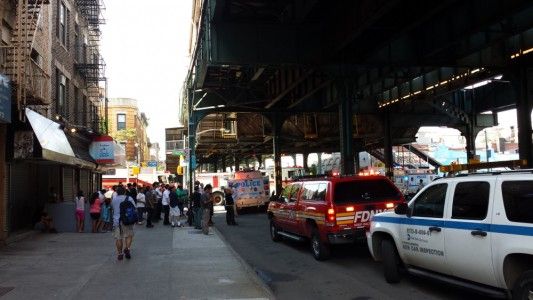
(54, 143)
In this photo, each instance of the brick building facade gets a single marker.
(49, 53)
(124, 113)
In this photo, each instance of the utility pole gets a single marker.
(487, 153)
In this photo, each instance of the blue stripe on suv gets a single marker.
(496, 228)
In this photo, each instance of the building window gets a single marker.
(84, 111)
(121, 121)
(61, 92)
(62, 28)
(77, 104)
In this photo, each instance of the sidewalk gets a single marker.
(179, 263)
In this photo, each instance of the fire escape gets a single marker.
(90, 63)
(30, 81)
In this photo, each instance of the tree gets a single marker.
(125, 135)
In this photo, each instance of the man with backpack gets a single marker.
(124, 217)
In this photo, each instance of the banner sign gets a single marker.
(102, 149)
(5, 99)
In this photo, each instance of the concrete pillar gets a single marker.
(524, 105)
(387, 146)
(346, 136)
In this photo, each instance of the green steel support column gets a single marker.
(470, 137)
(305, 165)
(236, 163)
(524, 104)
(358, 148)
(319, 164)
(193, 119)
(387, 146)
(223, 163)
(346, 136)
(276, 142)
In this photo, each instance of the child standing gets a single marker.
(80, 211)
(106, 215)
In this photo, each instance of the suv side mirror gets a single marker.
(401, 209)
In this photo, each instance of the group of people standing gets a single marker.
(109, 209)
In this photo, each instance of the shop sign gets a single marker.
(102, 149)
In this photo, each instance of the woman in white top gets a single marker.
(80, 211)
(141, 205)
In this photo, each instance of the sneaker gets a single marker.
(127, 253)
(120, 256)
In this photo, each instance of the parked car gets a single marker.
(474, 231)
(330, 210)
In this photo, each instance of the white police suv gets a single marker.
(474, 230)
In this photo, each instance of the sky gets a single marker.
(145, 45)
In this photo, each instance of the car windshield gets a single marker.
(365, 191)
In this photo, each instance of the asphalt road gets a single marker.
(292, 273)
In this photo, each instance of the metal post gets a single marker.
(523, 113)
(387, 146)
(276, 143)
(486, 147)
(319, 163)
(346, 136)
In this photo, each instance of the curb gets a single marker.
(246, 266)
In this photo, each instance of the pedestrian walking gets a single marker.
(106, 215)
(230, 207)
(165, 202)
(175, 213)
(124, 216)
(197, 207)
(159, 208)
(151, 202)
(206, 202)
(141, 205)
(182, 196)
(95, 210)
(80, 211)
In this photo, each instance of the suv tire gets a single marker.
(274, 235)
(523, 288)
(319, 249)
(391, 261)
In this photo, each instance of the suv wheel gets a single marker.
(391, 261)
(523, 288)
(320, 249)
(274, 232)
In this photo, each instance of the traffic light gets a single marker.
(179, 170)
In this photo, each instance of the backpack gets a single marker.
(173, 200)
(128, 212)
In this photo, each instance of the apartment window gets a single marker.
(84, 111)
(77, 104)
(62, 27)
(61, 92)
(121, 121)
(77, 42)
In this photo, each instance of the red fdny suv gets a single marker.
(330, 210)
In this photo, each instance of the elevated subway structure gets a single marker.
(348, 76)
